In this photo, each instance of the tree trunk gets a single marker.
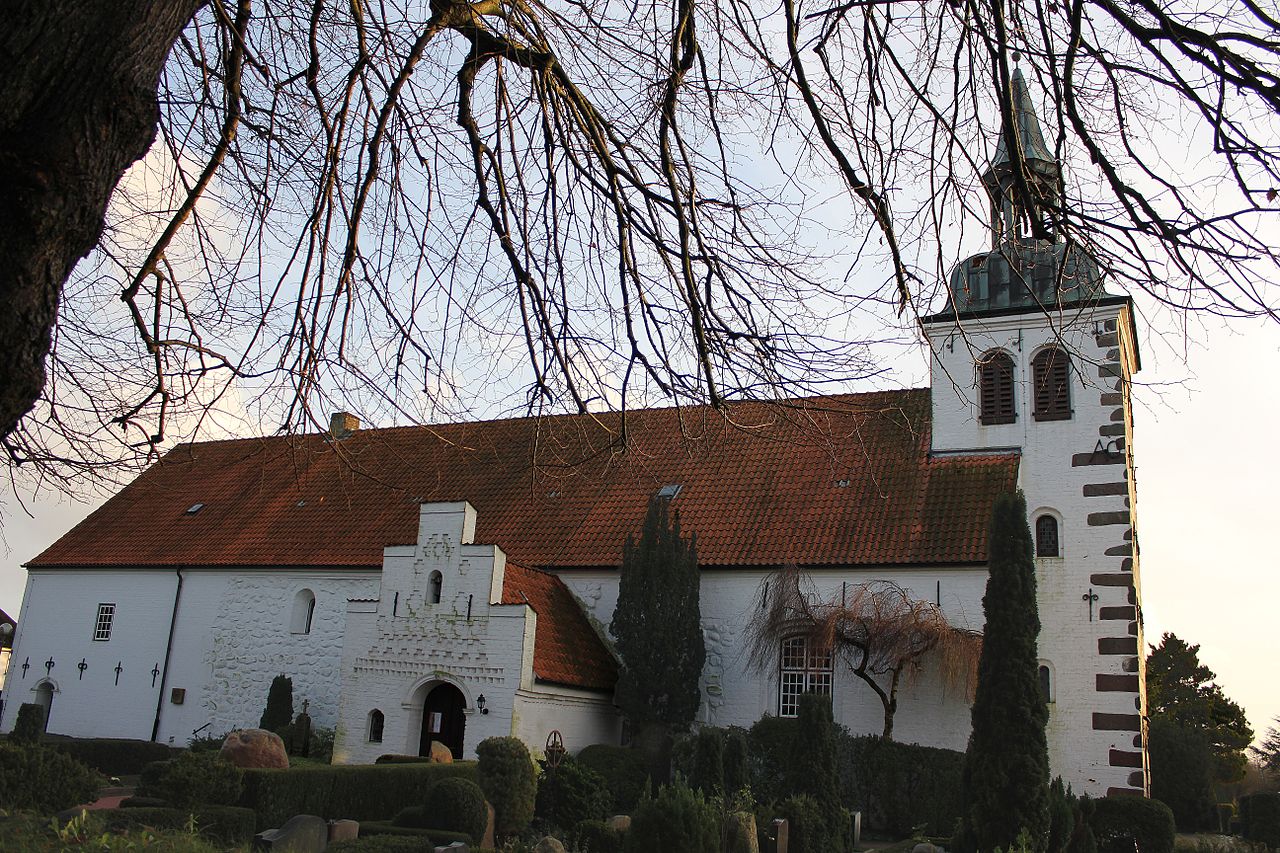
(77, 106)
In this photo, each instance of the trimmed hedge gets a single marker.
(623, 770)
(390, 829)
(193, 778)
(384, 843)
(229, 825)
(1121, 822)
(41, 779)
(353, 792)
(112, 756)
(1260, 818)
(896, 786)
(677, 819)
(457, 805)
(596, 836)
(393, 758)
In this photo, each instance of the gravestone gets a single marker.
(304, 833)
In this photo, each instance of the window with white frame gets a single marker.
(102, 625)
(804, 668)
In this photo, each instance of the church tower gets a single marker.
(1032, 356)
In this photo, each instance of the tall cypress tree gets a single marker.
(1006, 770)
(656, 624)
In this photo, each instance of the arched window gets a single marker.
(1051, 380)
(436, 584)
(304, 611)
(376, 721)
(1047, 537)
(995, 379)
(1046, 683)
(804, 668)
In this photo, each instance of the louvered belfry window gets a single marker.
(1051, 377)
(996, 381)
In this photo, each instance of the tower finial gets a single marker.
(1029, 163)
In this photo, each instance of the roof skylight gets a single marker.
(194, 508)
(669, 491)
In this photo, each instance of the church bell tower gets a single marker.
(1032, 357)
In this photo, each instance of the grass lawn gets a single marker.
(28, 833)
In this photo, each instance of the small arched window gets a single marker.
(1047, 544)
(436, 584)
(1051, 380)
(1046, 683)
(376, 722)
(995, 379)
(304, 611)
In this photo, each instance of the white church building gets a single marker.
(456, 581)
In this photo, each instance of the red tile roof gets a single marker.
(566, 649)
(837, 480)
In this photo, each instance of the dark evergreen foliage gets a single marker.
(1183, 767)
(1182, 689)
(623, 770)
(571, 793)
(677, 819)
(457, 805)
(1006, 772)
(1061, 816)
(30, 724)
(193, 778)
(279, 710)
(656, 624)
(708, 762)
(1260, 818)
(737, 774)
(813, 767)
(44, 780)
(509, 781)
(1124, 823)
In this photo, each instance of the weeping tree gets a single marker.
(417, 209)
(877, 629)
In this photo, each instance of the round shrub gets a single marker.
(509, 781)
(43, 780)
(596, 836)
(623, 770)
(457, 804)
(1121, 822)
(30, 724)
(570, 794)
(676, 819)
(193, 778)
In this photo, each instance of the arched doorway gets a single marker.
(443, 719)
(44, 698)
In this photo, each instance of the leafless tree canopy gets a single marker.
(420, 210)
(876, 629)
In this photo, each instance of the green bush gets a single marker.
(206, 743)
(457, 805)
(1119, 823)
(813, 828)
(227, 825)
(1061, 816)
(391, 758)
(1260, 818)
(111, 756)
(510, 783)
(899, 786)
(707, 773)
(1182, 774)
(736, 773)
(570, 794)
(193, 778)
(677, 819)
(44, 780)
(623, 770)
(596, 836)
(412, 817)
(355, 792)
(30, 724)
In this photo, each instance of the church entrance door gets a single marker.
(443, 719)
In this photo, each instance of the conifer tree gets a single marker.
(656, 625)
(279, 710)
(1006, 771)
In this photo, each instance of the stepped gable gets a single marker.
(844, 480)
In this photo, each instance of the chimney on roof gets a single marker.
(343, 425)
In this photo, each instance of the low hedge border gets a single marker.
(439, 837)
(111, 756)
(362, 792)
(228, 825)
